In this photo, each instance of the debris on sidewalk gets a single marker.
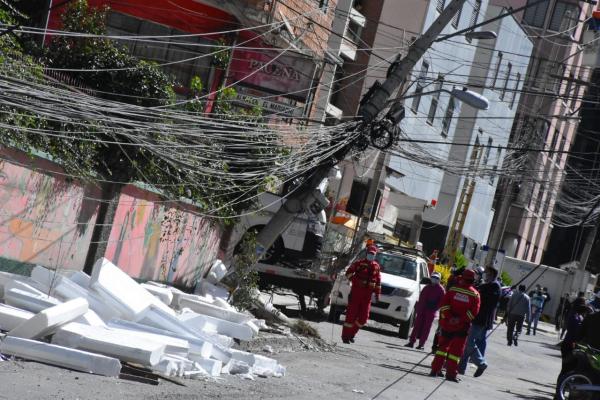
(95, 323)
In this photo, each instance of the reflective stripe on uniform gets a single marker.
(470, 315)
(359, 324)
(348, 325)
(453, 357)
(464, 291)
(441, 353)
(444, 308)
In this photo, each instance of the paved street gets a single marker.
(376, 366)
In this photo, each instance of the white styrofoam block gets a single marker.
(219, 302)
(11, 317)
(255, 329)
(214, 311)
(110, 280)
(173, 345)
(81, 278)
(232, 329)
(212, 367)
(66, 289)
(112, 343)
(90, 318)
(217, 271)
(6, 277)
(206, 287)
(26, 300)
(165, 295)
(31, 286)
(62, 356)
(196, 346)
(46, 321)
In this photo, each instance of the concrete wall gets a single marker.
(47, 219)
(154, 240)
(44, 219)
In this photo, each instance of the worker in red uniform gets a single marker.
(459, 307)
(365, 277)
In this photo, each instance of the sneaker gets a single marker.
(480, 370)
(347, 341)
(509, 344)
(528, 333)
(516, 342)
(436, 374)
(351, 340)
(420, 348)
(409, 344)
(452, 379)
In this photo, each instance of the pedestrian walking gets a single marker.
(429, 302)
(562, 313)
(489, 293)
(459, 307)
(365, 277)
(537, 305)
(518, 311)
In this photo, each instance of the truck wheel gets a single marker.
(566, 382)
(405, 326)
(334, 314)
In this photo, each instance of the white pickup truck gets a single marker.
(404, 272)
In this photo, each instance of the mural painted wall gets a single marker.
(44, 219)
(156, 240)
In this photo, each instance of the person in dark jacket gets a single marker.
(489, 293)
(562, 313)
(518, 311)
(574, 328)
(588, 334)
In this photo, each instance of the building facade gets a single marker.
(547, 118)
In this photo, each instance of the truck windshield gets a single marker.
(398, 265)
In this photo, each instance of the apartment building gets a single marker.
(547, 117)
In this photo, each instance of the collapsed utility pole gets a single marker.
(307, 198)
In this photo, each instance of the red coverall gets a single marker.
(429, 301)
(459, 306)
(366, 279)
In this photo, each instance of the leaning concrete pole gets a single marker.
(306, 197)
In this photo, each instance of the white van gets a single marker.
(403, 273)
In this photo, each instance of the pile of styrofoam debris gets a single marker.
(92, 323)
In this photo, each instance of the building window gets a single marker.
(456, 18)
(495, 167)
(419, 89)
(440, 5)
(536, 15)
(448, 117)
(526, 252)
(474, 15)
(554, 139)
(514, 93)
(506, 79)
(564, 17)
(563, 142)
(323, 4)
(486, 156)
(497, 71)
(435, 99)
(534, 254)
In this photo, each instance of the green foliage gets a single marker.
(506, 279)
(221, 55)
(246, 278)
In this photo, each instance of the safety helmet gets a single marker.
(372, 249)
(370, 242)
(436, 275)
(468, 275)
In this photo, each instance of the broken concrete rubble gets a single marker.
(110, 317)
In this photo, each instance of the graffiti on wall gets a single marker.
(44, 219)
(155, 240)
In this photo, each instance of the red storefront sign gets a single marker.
(288, 74)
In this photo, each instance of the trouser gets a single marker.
(535, 317)
(422, 327)
(451, 346)
(477, 336)
(514, 321)
(357, 312)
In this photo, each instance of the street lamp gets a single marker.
(465, 95)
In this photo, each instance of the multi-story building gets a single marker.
(278, 56)
(480, 138)
(418, 201)
(547, 118)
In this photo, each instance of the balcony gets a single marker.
(352, 34)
